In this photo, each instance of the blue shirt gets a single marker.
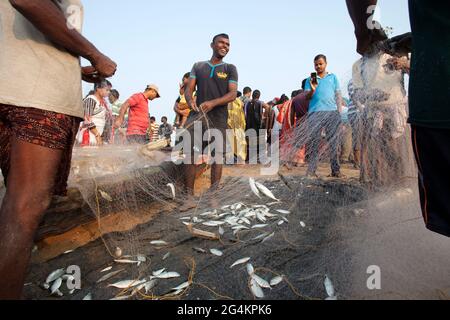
(324, 99)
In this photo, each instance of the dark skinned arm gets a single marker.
(121, 118)
(339, 101)
(358, 13)
(50, 20)
(188, 93)
(226, 99)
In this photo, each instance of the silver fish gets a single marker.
(168, 275)
(56, 285)
(105, 196)
(166, 256)
(159, 243)
(221, 231)
(266, 191)
(126, 284)
(213, 223)
(68, 251)
(209, 213)
(200, 250)
(261, 282)
(281, 222)
(263, 235)
(159, 272)
(106, 269)
(55, 275)
(259, 226)
(109, 275)
(261, 217)
(268, 237)
(303, 224)
(58, 293)
(150, 285)
(240, 261)
(250, 269)
(283, 211)
(216, 252)
(126, 261)
(182, 286)
(172, 188)
(254, 188)
(276, 281)
(329, 287)
(256, 289)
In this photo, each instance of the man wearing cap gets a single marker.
(138, 114)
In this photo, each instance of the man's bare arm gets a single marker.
(48, 18)
(226, 99)
(358, 13)
(189, 92)
(339, 101)
(121, 118)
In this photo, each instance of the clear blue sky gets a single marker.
(273, 43)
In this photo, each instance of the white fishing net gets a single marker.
(316, 241)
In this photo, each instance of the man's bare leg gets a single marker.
(216, 176)
(29, 191)
(189, 182)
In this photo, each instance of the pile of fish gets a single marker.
(240, 217)
(55, 280)
(132, 287)
(256, 282)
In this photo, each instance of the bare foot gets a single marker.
(189, 204)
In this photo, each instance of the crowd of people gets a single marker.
(108, 121)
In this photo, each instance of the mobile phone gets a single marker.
(314, 78)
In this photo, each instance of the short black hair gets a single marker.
(247, 90)
(152, 118)
(102, 84)
(164, 118)
(115, 93)
(222, 35)
(239, 94)
(320, 56)
(186, 75)
(256, 94)
(304, 84)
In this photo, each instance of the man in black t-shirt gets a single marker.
(429, 98)
(216, 84)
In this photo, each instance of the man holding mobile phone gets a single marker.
(324, 93)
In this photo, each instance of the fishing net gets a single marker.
(317, 239)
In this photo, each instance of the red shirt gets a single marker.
(138, 116)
